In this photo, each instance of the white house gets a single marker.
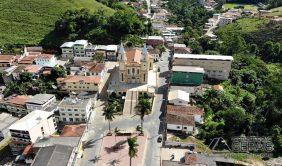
(178, 97)
(40, 102)
(46, 60)
(74, 110)
(194, 111)
(111, 52)
(79, 47)
(215, 66)
(180, 123)
(225, 20)
(67, 49)
(27, 130)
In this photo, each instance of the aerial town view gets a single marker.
(141, 83)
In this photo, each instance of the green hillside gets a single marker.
(29, 21)
(253, 30)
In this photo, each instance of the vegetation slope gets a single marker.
(28, 22)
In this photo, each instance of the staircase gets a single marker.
(131, 101)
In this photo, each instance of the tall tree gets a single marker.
(132, 150)
(109, 114)
(143, 108)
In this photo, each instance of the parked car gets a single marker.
(160, 139)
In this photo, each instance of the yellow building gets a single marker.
(134, 65)
(79, 83)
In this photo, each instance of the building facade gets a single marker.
(40, 102)
(79, 83)
(46, 60)
(215, 66)
(37, 124)
(74, 110)
(134, 65)
(187, 75)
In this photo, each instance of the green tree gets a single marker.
(25, 77)
(132, 150)
(98, 57)
(109, 114)
(143, 108)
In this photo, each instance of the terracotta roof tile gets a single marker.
(184, 110)
(133, 55)
(180, 120)
(98, 68)
(7, 58)
(87, 79)
(18, 100)
(73, 130)
(33, 68)
(45, 56)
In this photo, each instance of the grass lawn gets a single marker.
(276, 12)
(233, 5)
(29, 21)
(200, 146)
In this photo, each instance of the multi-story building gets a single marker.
(41, 102)
(16, 105)
(90, 51)
(27, 130)
(6, 61)
(225, 20)
(187, 75)
(111, 52)
(79, 47)
(6, 120)
(74, 110)
(46, 60)
(67, 49)
(134, 65)
(215, 66)
(79, 83)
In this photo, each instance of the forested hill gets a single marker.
(28, 22)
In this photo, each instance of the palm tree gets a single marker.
(109, 114)
(144, 108)
(132, 151)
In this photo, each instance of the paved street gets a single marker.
(98, 126)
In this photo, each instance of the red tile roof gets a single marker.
(98, 68)
(73, 130)
(133, 55)
(19, 100)
(86, 79)
(45, 56)
(184, 110)
(32, 68)
(180, 120)
(7, 58)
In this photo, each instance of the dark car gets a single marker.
(160, 139)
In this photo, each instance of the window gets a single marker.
(62, 109)
(70, 114)
(77, 119)
(71, 119)
(128, 71)
(69, 109)
(75, 109)
(82, 114)
(76, 114)
(63, 114)
(144, 77)
(137, 71)
(178, 127)
(133, 70)
(122, 77)
(184, 127)
(64, 119)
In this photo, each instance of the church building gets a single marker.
(134, 65)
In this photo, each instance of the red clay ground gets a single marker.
(114, 151)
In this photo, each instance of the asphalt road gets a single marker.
(152, 125)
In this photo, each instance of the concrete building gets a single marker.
(27, 130)
(16, 105)
(225, 20)
(134, 65)
(67, 49)
(178, 97)
(6, 61)
(111, 52)
(187, 75)
(154, 40)
(57, 155)
(40, 102)
(79, 83)
(74, 110)
(79, 47)
(215, 66)
(46, 60)
(6, 120)
(90, 51)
